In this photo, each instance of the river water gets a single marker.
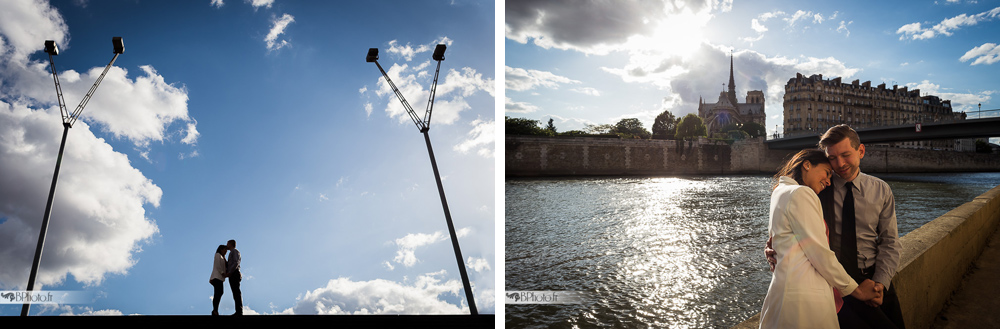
(678, 252)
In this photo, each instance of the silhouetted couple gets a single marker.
(223, 269)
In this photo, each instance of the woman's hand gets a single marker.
(867, 291)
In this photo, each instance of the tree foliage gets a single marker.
(551, 127)
(522, 126)
(691, 126)
(598, 129)
(631, 127)
(664, 126)
(754, 129)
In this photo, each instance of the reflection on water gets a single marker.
(665, 252)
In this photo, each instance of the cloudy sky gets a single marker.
(602, 61)
(250, 120)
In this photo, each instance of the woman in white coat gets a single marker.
(218, 276)
(800, 294)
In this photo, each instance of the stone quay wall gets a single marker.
(526, 156)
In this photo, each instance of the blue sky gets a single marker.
(256, 121)
(597, 63)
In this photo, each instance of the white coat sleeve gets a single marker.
(806, 220)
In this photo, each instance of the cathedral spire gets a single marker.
(732, 81)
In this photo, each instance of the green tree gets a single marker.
(754, 129)
(664, 126)
(983, 146)
(691, 126)
(551, 127)
(522, 126)
(631, 127)
(598, 129)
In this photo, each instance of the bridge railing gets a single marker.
(972, 115)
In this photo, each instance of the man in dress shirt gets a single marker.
(875, 227)
(233, 268)
(877, 238)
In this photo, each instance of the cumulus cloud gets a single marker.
(477, 264)
(690, 79)
(518, 107)
(988, 53)
(278, 25)
(98, 222)
(345, 296)
(480, 138)
(216, 3)
(408, 244)
(408, 51)
(595, 27)
(519, 79)
(260, 3)
(916, 31)
(454, 86)
(959, 101)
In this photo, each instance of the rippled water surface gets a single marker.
(680, 252)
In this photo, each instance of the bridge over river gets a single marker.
(910, 132)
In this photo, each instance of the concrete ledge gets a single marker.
(267, 321)
(936, 256)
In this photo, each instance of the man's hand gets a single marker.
(877, 301)
(770, 254)
(867, 291)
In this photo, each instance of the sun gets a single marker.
(676, 35)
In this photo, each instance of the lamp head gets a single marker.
(119, 44)
(439, 52)
(372, 55)
(51, 48)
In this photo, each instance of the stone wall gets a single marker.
(585, 156)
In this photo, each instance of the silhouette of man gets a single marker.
(233, 268)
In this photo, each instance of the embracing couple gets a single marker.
(223, 269)
(833, 244)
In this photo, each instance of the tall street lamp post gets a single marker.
(424, 125)
(68, 120)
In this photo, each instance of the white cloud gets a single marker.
(452, 90)
(481, 139)
(216, 3)
(519, 79)
(260, 3)
(408, 244)
(598, 27)
(278, 26)
(843, 28)
(947, 26)
(477, 264)
(587, 91)
(379, 296)
(191, 136)
(368, 109)
(98, 222)
(988, 53)
(518, 107)
(959, 101)
(408, 51)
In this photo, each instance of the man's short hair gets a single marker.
(836, 134)
(232, 242)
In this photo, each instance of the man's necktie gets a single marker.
(848, 235)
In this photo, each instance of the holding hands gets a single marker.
(869, 292)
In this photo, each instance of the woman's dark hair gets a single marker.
(793, 167)
(221, 249)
